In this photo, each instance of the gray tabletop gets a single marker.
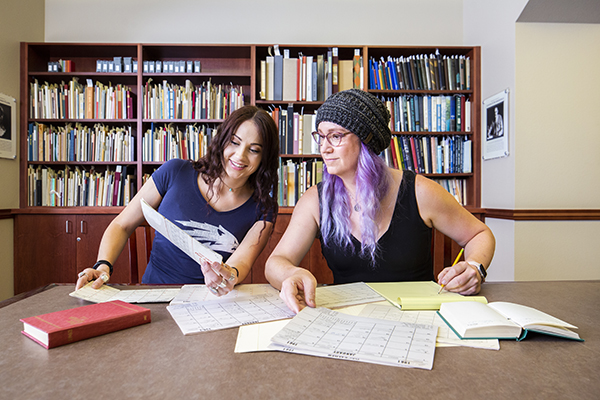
(157, 361)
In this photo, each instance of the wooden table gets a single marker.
(156, 361)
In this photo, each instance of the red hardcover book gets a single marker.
(68, 326)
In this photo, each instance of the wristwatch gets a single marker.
(480, 269)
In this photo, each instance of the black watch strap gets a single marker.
(103, 262)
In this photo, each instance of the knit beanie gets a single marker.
(362, 114)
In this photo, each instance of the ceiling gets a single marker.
(565, 11)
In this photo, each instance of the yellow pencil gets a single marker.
(453, 264)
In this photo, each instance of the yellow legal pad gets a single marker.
(419, 295)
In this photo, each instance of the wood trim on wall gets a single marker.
(544, 215)
(5, 214)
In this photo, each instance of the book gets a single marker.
(502, 320)
(345, 71)
(68, 326)
(290, 79)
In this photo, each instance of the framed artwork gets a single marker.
(8, 127)
(496, 127)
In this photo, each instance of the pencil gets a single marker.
(453, 264)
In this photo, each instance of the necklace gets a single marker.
(356, 205)
(229, 187)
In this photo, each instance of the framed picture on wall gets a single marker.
(496, 128)
(8, 127)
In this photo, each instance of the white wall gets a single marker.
(491, 24)
(384, 22)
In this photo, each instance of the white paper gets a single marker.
(326, 333)
(257, 337)
(445, 335)
(228, 313)
(194, 293)
(349, 294)
(190, 246)
(108, 293)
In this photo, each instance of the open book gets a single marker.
(501, 320)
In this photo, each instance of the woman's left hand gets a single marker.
(219, 278)
(461, 278)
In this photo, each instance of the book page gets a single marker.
(109, 293)
(526, 316)
(419, 295)
(193, 293)
(326, 333)
(476, 320)
(228, 313)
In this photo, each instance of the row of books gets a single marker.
(80, 143)
(117, 65)
(420, 72)
(68, 187)
(308, 77)
(166, 142)
(205, 101)
(295, 177)
(295, 130)
(430, 154)
(416, 113)
(61, 66)
(456, 187)
(75, 101)
(172, 67)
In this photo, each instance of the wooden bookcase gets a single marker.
(53, 243)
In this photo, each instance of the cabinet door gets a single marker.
(45, 251)
(90, 229)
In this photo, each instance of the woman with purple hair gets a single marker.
(374, 222)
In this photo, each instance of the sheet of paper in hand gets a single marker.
(190, 246)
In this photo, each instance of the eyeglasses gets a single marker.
(334, 138)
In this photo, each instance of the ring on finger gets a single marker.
(223, 283)
(213, 290)
(231, 277)
(104, 277)
(82, 273)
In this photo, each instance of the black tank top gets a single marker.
(405, 248)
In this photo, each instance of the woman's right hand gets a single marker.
(298, 291)
(100, 277)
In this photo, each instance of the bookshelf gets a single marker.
(169, 116)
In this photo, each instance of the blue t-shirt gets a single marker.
(183, 204)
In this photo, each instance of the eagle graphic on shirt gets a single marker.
(216, 238)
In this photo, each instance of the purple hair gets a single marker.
(372, 184)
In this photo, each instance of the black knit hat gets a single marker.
(362, 114)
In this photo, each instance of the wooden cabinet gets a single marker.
(53, 248)
(59, 223)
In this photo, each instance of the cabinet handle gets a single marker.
(68, 226)
(81, 228)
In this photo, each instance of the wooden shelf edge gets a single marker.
(544, 215)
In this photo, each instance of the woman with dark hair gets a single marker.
(226, 200)
(374, 222)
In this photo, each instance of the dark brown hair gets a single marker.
(264, 180)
